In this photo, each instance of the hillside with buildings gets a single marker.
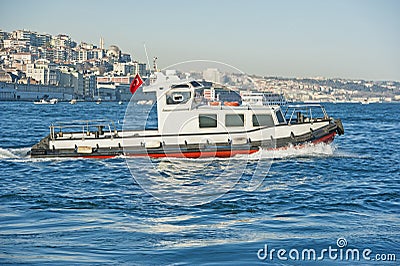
(331, 90)
(309, 89)
(34, 64)
(45, 63)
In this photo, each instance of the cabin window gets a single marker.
(180, 86)
(234, 120)
(279, 116)
(178, 97)
(206, 121)
(263, 120)
(195, 84)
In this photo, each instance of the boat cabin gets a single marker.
(189, 107)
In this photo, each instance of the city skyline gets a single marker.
(341, 39)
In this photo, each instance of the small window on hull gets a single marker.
(207, 121)
(263, 120)
(234, 120)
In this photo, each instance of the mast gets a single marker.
(147, 57)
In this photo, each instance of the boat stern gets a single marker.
(40, 149)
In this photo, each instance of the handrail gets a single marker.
(84, 125)
(77, 122)
(304, 107)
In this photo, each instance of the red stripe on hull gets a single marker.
(202, 154)
(196, 154)
(326, 139)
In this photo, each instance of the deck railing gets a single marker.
(87, 127)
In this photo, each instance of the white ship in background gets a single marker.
(262, 98)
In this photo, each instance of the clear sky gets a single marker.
(349, 39)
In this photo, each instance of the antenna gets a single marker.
(155, 64)
(145, 50)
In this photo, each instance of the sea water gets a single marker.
(339, 197)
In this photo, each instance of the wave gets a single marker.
(310, 150)
(14, 153)
(21, 155)
(6, 154)
(20, 152)
(307, 150)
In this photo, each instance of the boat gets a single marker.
(41, 101)
(73, 101)
(45, 101)
(365, 101)
(262, 98)
(192, 126)
(53, 101)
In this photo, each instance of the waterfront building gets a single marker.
(43, 71)
(89, 86)
(69, 77)
(107, 80)
(78, 84)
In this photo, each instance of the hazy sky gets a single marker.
(350, 39)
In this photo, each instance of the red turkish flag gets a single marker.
(136, 83)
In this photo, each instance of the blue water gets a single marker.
(64, 211)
